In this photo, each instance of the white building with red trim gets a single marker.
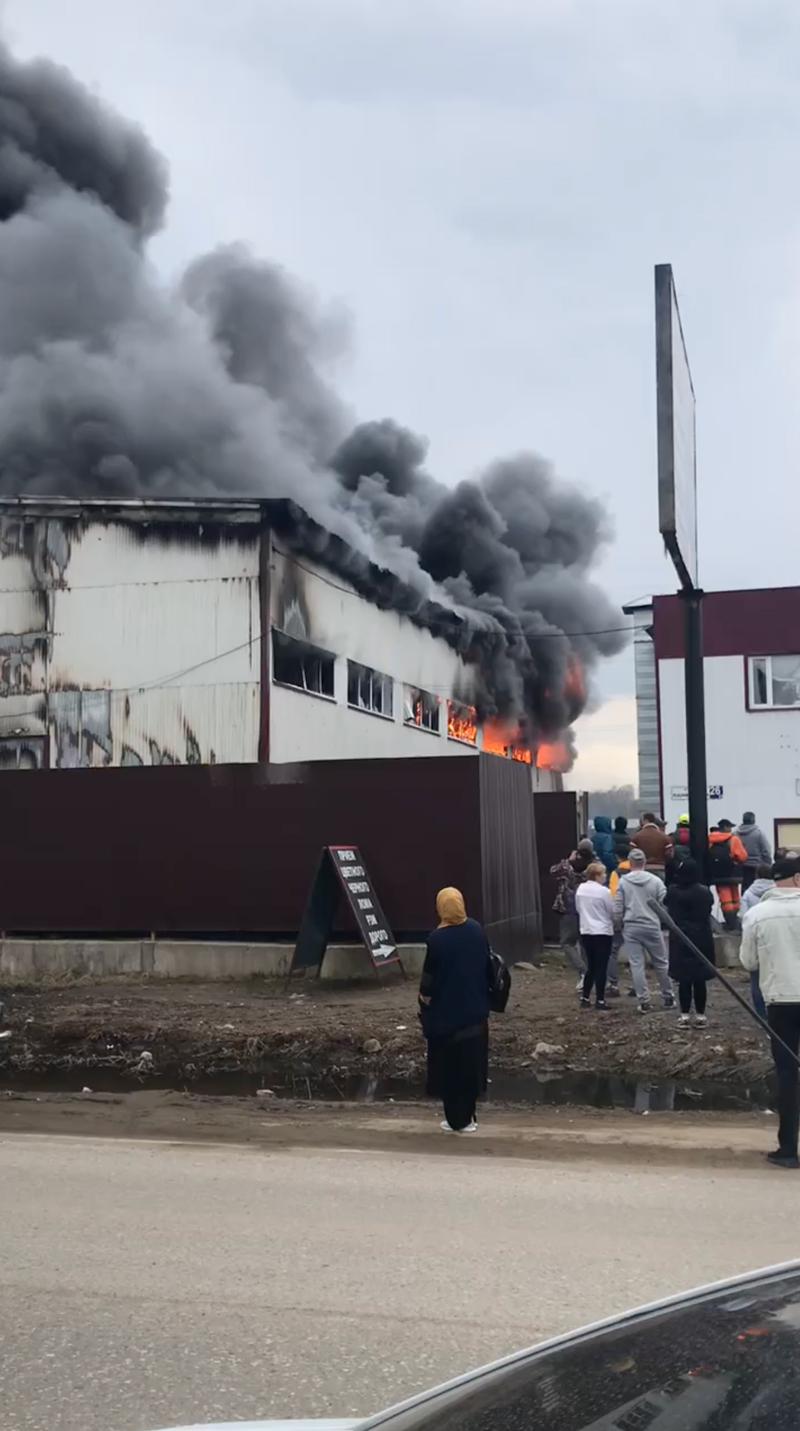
(751, 642)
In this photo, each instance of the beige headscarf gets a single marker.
(450, 907)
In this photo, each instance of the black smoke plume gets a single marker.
(115, 385)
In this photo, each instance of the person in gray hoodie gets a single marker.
(641, 929)
(756, 845)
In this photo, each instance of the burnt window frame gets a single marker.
(376, 680)
(435, 708)
(303, 650)
(35, 745)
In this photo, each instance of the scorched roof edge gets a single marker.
(301, 533)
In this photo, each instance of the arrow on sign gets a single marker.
(384, 951)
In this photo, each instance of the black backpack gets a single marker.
(720, 864)
(499, 983)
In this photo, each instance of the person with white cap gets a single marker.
(641, 928)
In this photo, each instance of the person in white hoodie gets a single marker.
(641, 929)
(771, 945)
(595, 909)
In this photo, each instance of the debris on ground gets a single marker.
(337, 1032)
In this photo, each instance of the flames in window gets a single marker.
(420, 708)
(504, 738)
(496, 737)
(553, 756)
(462, 722)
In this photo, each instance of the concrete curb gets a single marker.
(46, 961)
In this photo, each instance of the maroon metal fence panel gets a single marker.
(512, 910)
(231, 850)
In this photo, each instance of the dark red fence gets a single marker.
(230, 850)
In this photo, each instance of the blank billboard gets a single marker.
(677, 464)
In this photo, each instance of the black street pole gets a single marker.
(695, 722)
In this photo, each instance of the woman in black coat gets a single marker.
(454, 1010)
(690, 903)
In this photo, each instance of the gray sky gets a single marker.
(485, 186)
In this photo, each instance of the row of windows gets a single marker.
(774, 681)
(308, 668)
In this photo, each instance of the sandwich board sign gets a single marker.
(341, 873)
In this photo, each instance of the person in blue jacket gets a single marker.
(603, 841)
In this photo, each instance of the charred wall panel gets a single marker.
(131, 641)
(512, 913)
(556, 817)
(231, 849)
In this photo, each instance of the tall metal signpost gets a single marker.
(677, 522)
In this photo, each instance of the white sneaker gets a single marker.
(684, 1021)
(700, 1021)
(470, 1128)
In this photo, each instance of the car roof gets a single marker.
(457, 1384)
(567, 1339)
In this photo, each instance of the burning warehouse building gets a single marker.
(209, 572)
(203, 558)
(140, 633)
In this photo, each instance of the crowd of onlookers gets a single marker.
(604, 889)
(610, 891)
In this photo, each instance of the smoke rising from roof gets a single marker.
(113, 384)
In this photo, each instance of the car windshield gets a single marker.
(724, 1361)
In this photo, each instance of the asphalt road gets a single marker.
(149, 1285)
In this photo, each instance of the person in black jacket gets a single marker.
(690, 904)
(622, 840)
(454, 1010)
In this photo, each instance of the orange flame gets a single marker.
(462, 722)
(504, 738)
(552, 756)
(495, 737)
(498, 736)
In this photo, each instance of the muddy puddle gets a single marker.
(580, 1090)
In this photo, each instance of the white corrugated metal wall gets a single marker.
(128, 640)
(128, 643)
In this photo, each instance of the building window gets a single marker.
(368, 690)
(299, 664)
(462, 722)
(774, 681)
(420, 708)
(787, 835)
(22, 752)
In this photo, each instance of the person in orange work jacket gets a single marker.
(727, 856)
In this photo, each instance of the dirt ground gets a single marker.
(552, 1134)
(311, 1031)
